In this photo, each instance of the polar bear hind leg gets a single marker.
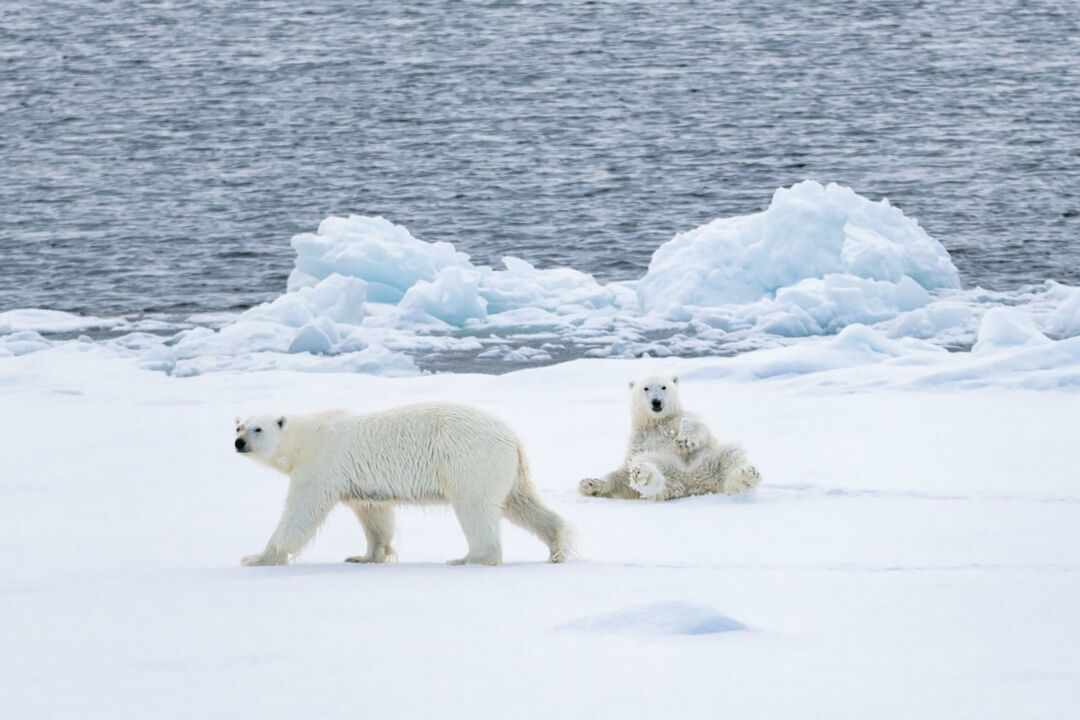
(525, 509)
(476, 482)
(479, 518)
(723, 469)
(377, 520)
(742, 479)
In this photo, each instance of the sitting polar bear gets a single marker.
(671, 453)
(424, 454)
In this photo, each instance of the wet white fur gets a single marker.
(671, 453)
(430, 453)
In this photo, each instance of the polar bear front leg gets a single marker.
(377, 520)
(690, 436)
(305, 509)
(723, 469)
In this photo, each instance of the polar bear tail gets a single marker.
(525, 508)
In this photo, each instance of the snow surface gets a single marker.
(367, 296)
(910, 553)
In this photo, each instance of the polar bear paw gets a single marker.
(689, 438)
(476, 560)
(592, 487)
(742, 479)
(263, 558)
(380, 555)
(646, 479)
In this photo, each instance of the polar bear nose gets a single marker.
(657, 406)
(239, 444)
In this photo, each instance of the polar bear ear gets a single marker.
(674, 379)
(281, 422)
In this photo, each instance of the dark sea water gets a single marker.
(155, 158)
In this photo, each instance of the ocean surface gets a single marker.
(156, 158)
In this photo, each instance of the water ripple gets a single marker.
(157, 158)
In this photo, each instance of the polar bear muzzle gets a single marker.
(656, 397)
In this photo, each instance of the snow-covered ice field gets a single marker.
(911, 553)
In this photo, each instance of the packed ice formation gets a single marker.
(816, 247)
(365, 295)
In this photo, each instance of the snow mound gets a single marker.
(22, 342)
(384, 255)
(658, 618)
(1007, 328)
(337, 298)
(452, 297)
(433, 280)
(1064, 321)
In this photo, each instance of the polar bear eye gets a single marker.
(258, 429)
(663, 387)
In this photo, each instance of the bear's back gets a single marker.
(429, 424)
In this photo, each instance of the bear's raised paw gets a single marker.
(689, 438)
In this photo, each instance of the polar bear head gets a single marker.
(259, 435)
(655, 397)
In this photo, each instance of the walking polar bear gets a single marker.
(671, 453)
(430, 453)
